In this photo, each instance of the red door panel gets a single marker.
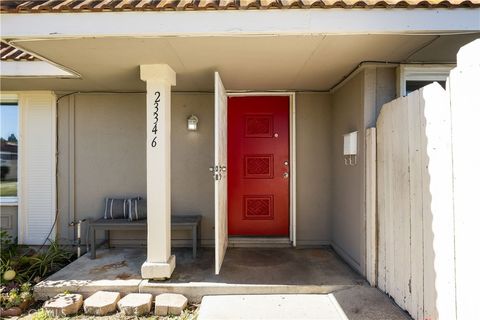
(258, 166)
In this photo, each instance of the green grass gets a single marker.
(8, 189)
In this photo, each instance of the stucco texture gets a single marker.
(356, 106)
(314, 174)
(101, 145)
(102, 154)
(348, 187)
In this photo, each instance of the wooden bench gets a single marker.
(190, 223)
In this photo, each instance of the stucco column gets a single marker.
(160, 263)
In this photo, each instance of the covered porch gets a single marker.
(244, 271)
(336, 85)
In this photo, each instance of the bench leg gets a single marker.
(194, 242)
(107, 238)
(199, 235)
(93, 246)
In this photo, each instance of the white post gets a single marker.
(160, 263)
(465, 109)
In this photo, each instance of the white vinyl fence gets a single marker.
(428, 211)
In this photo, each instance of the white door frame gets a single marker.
(293, 161)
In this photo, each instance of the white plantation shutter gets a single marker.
(37, 183)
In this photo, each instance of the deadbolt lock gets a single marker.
(217, 171)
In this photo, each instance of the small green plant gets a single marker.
(16, 295)
(10, 262)
(52, 260)
(9, 247)
(19, 264)
(41, 314)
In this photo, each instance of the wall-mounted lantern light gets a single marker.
(350, 148)
(192, 123)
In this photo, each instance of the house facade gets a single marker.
(282, 96)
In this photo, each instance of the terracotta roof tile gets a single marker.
(38, 6)
(8, 52)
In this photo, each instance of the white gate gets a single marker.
(415, 204)
(428, 213)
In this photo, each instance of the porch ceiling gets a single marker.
(254, 63)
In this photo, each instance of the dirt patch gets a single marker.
(125, 276)
(110, 266)
(324, 254)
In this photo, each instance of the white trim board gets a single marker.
(313, 243)
(420, 72)
(8, 201)
(32, 69)
(293, 150)
(242, 22)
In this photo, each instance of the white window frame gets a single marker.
(26, 203)
(12, 201)
(420, 72)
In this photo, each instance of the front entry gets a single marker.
(258, 165)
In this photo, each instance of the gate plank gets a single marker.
(381, 202)
(415, 308)
(370, 206)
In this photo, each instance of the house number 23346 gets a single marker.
(155, 119)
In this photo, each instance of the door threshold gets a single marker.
(259, 242)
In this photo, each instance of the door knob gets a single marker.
(285, 175)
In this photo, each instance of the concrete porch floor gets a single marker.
(244, 271)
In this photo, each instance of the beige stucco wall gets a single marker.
(107, 133)
(108, 159)
(356, 106)
(385, 83)
(192, 155)
(348, 186)
(314, 174)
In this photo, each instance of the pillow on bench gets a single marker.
(138, 209)
(117, 208)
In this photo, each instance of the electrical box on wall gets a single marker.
(350, 148)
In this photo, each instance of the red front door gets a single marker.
(258, 166)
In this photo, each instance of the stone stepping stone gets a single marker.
(135, 304)
(170, 303)
(101, 303)
(63, 304)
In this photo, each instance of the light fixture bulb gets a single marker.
(192, 123)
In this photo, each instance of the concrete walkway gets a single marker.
(245, 271)
(361, 302)
(271, 307)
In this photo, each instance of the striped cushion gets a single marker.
(138, 209)
(117, 208)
